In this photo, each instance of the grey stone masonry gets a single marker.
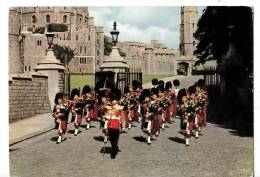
(28, 96)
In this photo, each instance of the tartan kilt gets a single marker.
(78, 119)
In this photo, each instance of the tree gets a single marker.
(213, 34)
(219, 27)
(64, 54)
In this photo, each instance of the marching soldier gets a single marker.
(60, 113)
(89, 109)
(114, 127)
(77, 110)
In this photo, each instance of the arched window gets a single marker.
(97, 52)
(65, 19)
(29, 68)
(80, 20)
(77, 37)
(25, 68)
(80, 50)
(193, 43)
(34, 20)
(48, 18)
(89, 38)
(85, 50)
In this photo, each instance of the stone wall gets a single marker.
(28, 96)
(15, 60)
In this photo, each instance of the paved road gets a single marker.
(219, 153)
(185, 81)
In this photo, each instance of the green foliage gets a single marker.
(213, 34)
(30, 29)
(54, 27)
(107, 46)
(40, 30)
(79, 81)
(63, 53)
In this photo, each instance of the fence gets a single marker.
(101, 79)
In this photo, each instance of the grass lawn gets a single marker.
(78, 81)
(149, 77)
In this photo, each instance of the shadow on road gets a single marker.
(140, 138)
(99, 138)
(54, 138)
(105, 150)
(177, 139)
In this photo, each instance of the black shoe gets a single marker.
(113, 156)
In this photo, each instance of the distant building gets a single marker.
(82, 35)
(27, 46)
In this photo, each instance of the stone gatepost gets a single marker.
(52, 67)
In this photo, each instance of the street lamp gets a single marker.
(50, 37)
(114, 33)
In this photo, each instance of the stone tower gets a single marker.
(187, 28)
(15, 59)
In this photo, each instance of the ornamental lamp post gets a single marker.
(114, 33)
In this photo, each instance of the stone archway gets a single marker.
(183, 68)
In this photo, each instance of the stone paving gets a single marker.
(219, 153)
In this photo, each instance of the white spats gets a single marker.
(187, 141)
(105, 139)
(199, 129)
(148, 140)
(196, 134)
(139, 119)
(87, 127)
(76, 132)
(157, 133)
(129, 125)
(59, 139)
(163, 126)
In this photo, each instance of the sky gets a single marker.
(142, 24)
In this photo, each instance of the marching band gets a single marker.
(153, 108)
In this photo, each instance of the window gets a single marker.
(48, 18)
(80, 50)
(77, 37)
(39, 43)
(65, 19)
(97, 41)
(89, 37)
(193, 43)
(34, 20)
(80, 20)
(85, 50)
(25, 68)
(193, 25)
(82, 60)
(64, 7)
(97, 52)
(29, 68)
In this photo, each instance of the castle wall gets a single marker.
(28, 96)
(82, 35)
(15, 59)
